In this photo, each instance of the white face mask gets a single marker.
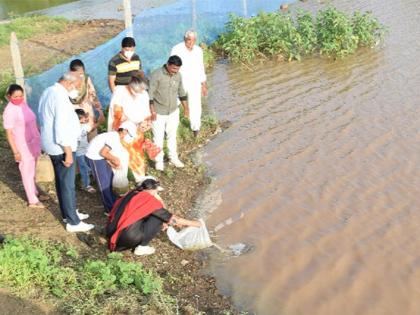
(128, 54)
(128, 138)
(73, 94)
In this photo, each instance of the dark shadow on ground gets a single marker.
(17, 306)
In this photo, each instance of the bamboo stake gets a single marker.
(194, 15)
(17, 61)
(128, 18)
(245, 7)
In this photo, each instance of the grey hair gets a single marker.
(142, 85)
(69, 77)
(137, 83)
(189, 33)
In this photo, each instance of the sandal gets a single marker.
(43, 197)
(37, 205)
(90, 189)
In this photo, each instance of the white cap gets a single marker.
(130, 127)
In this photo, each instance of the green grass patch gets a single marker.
(209, 56)
(55, 272)
(331, 32)
(29, 26)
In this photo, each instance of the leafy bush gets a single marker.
(305, 26)
(335, 33)
(34, 267)
(208, 55)
(332, 33)
(240, 42)
(367, 29)
(277, 35)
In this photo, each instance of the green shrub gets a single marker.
(335, 33)
(240, 42)
(208, 55)
(367, 29)
(305, 26)
(331, 33)
(33, 267)
(277, 35)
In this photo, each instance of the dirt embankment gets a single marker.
(40, 53)
(182, 272)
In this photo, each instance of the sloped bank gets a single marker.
(181, 273)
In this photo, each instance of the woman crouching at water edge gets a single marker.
(138, 217)
(22, 133)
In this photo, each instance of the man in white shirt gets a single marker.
(60, 129)
(193, 76)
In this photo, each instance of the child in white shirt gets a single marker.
(82, 145)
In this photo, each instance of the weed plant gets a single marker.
(331, 33)
(38, 268)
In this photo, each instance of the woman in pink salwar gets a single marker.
(22, 133)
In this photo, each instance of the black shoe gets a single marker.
(196, 133)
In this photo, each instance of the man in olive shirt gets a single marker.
(124, 65)
(165, 88)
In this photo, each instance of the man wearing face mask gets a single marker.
(106, 152)
(60, 130)
(124, 65)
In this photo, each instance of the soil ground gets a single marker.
(183, 272)
(40, 53)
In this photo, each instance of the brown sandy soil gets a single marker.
(14, 305)
(42, 52)
(183, 272)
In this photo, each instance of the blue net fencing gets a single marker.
(156, 31)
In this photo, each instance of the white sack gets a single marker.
(190, 238)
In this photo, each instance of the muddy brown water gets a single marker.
(323, 162)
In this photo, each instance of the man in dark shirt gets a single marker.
(124, 65)
(165, 88)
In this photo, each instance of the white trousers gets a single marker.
(166, 124)
(194, 103)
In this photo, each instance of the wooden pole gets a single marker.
(17, 61)
(128, 18)
(194, 15)
(245, 7)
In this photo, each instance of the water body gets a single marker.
(99, 9)
(77, 9)
(8, 7)
(322, 161)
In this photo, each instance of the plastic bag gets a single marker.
(44, 171)
(190, 238)
(120, 183)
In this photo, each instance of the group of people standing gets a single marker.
(66, 128)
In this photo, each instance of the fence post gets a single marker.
(194, 15)
(128, 18)
(17, 61)
(245, 7)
